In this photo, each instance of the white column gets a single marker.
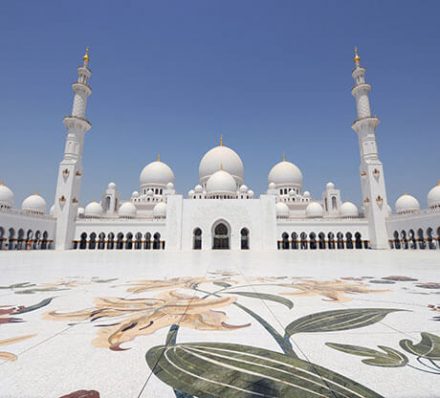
(371, 168)
(70, 169)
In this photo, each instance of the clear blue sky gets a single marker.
(169, 76)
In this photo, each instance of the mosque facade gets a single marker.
(221, 212)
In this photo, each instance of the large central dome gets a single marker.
(221, 157)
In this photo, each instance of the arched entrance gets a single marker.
(220, 236)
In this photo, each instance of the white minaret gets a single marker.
(371, 169)
(70, 171)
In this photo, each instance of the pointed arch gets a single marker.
(221, 233)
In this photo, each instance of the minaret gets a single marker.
(371, 169)
(70, 170)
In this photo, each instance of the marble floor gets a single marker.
(220, 324)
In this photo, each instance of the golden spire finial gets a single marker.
(86, 57)
(158, 157)
(221, 139)
(283, 156)
(357, 58)
(221, 165)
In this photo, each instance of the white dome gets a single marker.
(433, 196)
(160, 210)
(221, 157)
(221, 182)
(306, 194)
(80, 211)
(52, 210)
(127, 210)
(150, 192)
(330, 185)
(34, 204)
(272, 185)
(244, 189)
(282, 210)
(198, 188)
(251, 193)
(170, 186)
(285, 174)
(407, 204)
(135, 194)
(292, 193)
(156, 173)
(348, 210)
(6, 196)
(191, 193)
(93, 210)
(111, 185)
(314, 210)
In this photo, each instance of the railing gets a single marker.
(26, 213)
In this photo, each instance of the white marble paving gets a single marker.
(61, 357)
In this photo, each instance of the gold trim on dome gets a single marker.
(357, 58)
(86, 56)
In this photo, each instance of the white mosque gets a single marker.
(221, 211)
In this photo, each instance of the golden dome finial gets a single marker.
(221, 139)
(283, 156)
(357, 58)
(158, 157)
(221, 165)
(86, 57)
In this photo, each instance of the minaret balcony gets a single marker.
(77, 123)
(360, 89)
(369, 122)
(79, 88)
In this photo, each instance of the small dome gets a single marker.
(191, 193)
(150, 192)
(272, 185)
(93, 210)
(160, 210)
(330, 185)
(314, 210)
(80, 211)
(198, 188)
(221, 182)
(34, 204)
(244, 189)
(127, 210)
(112, 185)
(292, 193)
(285, 173)
(135, 194)
(348, 210)
(306, 194)
(156, 173)
(433, 196)
(170, 186)
(251, 193)
(52, 210)
(6, 196)
(282, 210)
(221, 157)
(407, 204)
